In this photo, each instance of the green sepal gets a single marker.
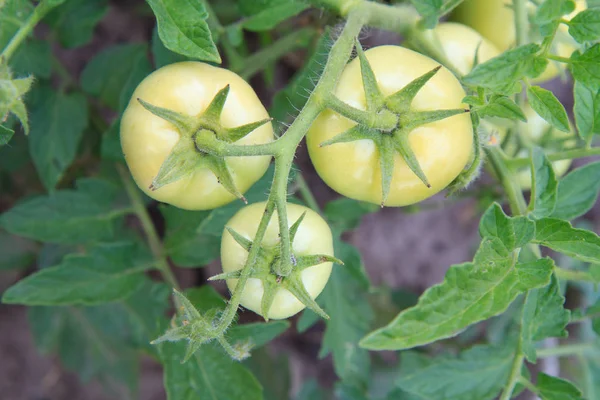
(182, 123)
(174, 334)
(242, 241)
(412, 120)
(219, 167)
(295, 226)
(11, 97)
(189, 311)
(402, 99)
(373, 95)
(226, 275)
(386, 164)
(294, 285)
(183, 160)
(357, 132)
(403, 147)
(215, 108)
(304, 262)
(269, 291)
(239, 352)
(234, 134)
(192, 347)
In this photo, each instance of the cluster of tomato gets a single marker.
(353, 168)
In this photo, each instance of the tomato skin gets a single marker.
(188, 88)
(442, 148)
(313, 237)
(494, 19)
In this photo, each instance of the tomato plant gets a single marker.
(160, 218)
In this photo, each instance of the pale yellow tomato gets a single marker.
(188, 88)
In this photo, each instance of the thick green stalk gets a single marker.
(561, 155)
(567, 350)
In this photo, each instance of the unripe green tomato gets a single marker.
(313, 237)
(442, 148)
(494, 19)
(188, 88)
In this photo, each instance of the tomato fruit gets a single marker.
(188, 88)
(494, 19)
(312, 237)
(442, 148)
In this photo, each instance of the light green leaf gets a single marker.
(109, 272)
(560, 236)
(270, 17)
(5, 135)
(548, 107)
(501, 107)
(58, 121)
(544, 316)
(553, 388)
(544, 185)
(14, 14)
(585, 66)
(514, 232)
(587, 110)
(161, 55)
(75, 21)
(476, 374)
(577, 192)
(551, 10)
(183, 29)
(585, 26)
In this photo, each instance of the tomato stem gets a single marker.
(561, 155)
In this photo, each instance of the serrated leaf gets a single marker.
(476, 374)
(585, 66)
(502, 107)
(270, 17)
(560, 236)
(161, 55)
(544, 316)
(58, 121)
(65, 216)
(310, 390)
(468, 294)
(112, 70)
(75, 21)
(548, 107)
(433, 10)
(551, 10)
(183, 29)
(585, 26)
(544, 185)
(514, 232)
(587, 110)
(553, 388)
(577, 192)
(107, 273)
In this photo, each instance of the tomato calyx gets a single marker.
(11, 96)
(388, 121)
(267, 266)
(202, 143)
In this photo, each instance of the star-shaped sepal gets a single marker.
(392, 141)
(272, 283)
(11, 98)
(202, 140)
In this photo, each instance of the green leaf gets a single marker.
(585, 26)
(544, 185)
(75, 21)
(514, 232)
(502, 107)
(114, 69)
(560, 236)
(183, 29)
(551, 10)
(585, 66)
(272, 370)
(544, 316)
(161, 55)
(5, 135)
(433, 10)
(14, 14)
(209, 374)
(553, 388)
(577, 192)
(65, 216)
(92, 342)
(587, 110)
(107, 273)
(310, 390)
(270, 17)
(58, 121)
(33, 57)
(507, 68)
(476, 374)
(544, 103)
(345, 214)
(470, 293)
(15, 252)
(344, 301)
(185, 243)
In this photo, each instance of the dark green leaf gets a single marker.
(111, 71)
(587, 110)
(107, 273)
(15, 252)
(14, 14)
(66, 216)
(476, 374)
(544, 184)
(58, 121)
(33, 57)
(577, 192)
(346, 213)
(544, 316)
(161, 55)
(269, 18)
(310, 390)
(585, 66)
(5, 135)
(585, 26)
(75, 21)
(560, 236)
(502, 107)
(548, 107)
(183, 29)
(553, 388)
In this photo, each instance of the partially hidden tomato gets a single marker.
(495, 20)
(442, 148)
(313, 237)
(188, 88)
